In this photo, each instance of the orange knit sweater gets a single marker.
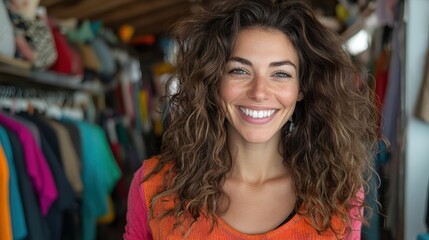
(162, 229)
(5, 218)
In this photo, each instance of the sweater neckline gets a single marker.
(228, 228)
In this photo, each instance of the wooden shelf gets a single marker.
(48, 80)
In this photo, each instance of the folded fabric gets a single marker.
(39, 37)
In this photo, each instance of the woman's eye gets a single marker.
(237, 71)
(282, 75)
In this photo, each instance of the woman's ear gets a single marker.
(300, 96)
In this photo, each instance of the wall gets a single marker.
(417, 132)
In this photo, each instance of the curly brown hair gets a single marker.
(329, 151)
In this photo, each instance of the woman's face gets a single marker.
(259, 86)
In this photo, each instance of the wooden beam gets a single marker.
(50, 3)
(160, 27)
(154, 18)
(86, 8)
(136, 9)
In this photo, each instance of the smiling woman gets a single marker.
(260, 86)
(270, 133)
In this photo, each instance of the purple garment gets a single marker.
(385, 10)
(37, 168)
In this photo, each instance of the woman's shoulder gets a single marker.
(149, 164)
(152, 176)
(145, 170)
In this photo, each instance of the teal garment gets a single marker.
(96, 26)
(105, 57)
(19, 226)
(371, 231)
(423, 236)
(100, 173)
(123, 137)
(82, 34)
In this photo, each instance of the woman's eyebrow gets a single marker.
(273, 64)
(241, 60)
(281, 63)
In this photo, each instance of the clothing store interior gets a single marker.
(80, 84)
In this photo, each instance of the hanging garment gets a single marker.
(66, 198)
(75, 136)
(36, 165)
(19, 227)
(36, 224)
(72, 221)
(137, 116)
(30, 126)
(385, 10)
(100, 174)
(5, 218)
(69, 157)
(144, 104)
(381, 77)
(390, 121)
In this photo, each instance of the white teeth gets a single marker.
(257, 114)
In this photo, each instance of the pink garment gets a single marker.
(137, 227)
(356, 224)
(37, 168)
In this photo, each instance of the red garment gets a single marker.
(63, 64)
(140, 227)
(121, 185)
(381, 76)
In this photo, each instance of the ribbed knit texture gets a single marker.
(297, 228)
(5, 218)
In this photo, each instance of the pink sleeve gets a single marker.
(137, 227)
(356, 224)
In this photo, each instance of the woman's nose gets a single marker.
(259, 89)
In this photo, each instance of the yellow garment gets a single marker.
(144, 110)
(126, 32)
(163, 67)
(110, 215)
(158, 127)
(5, 218)
(341, 12)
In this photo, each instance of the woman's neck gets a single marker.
(256, 163)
